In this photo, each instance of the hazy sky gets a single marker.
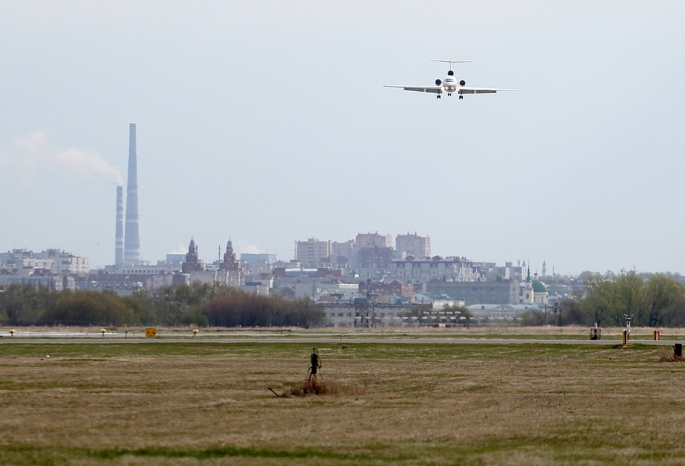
(266, 121)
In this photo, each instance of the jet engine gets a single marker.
(450, 73)
(462, 83)
(438, 82)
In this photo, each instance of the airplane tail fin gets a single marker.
(452, 61)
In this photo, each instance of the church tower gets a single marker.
(527, 294)
(230, 262)
(193, 262)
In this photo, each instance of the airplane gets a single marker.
(450, 85)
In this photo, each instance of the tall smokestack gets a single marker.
(132, 239)
(119, 236)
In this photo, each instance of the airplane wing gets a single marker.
(434, 90)
(480, 90)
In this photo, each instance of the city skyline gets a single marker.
(269, 124)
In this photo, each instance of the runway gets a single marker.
(327, 340)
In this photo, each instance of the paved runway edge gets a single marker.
(326, 341)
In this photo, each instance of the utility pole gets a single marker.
(628, 317)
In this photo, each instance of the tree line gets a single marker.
(653, 301)
(657, 300)
(199, 304)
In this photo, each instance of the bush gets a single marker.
(90, 308)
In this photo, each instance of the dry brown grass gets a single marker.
(200, 403)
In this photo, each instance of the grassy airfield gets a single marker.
(204, 402)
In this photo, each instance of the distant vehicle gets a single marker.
(450, 85)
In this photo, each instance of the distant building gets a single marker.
(533, 291)
(348, 314)
(175, 258)
(68, 263)
(193, 262)
(501, 311)
(342, 254)
(140, 269)
(370, 240)
(394, 288)
(60, 262)
(499, 292)
(255, 263)
(421, 270)
(375, 261)
(230, 271)
(510, 271)
(313, 252)
(51, 282)
(412, 245)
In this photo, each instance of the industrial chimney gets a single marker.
(132, 238)
(119, 236)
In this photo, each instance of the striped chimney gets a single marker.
(132, 238)
(119, 236)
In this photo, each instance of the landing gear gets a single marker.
(438, 96)
(449, 94)
(461, 97)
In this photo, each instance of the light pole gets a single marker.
(628, 317)
(556, 313)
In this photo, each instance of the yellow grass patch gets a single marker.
(208, 403)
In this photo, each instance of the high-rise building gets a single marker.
(412, 245)
(342, 253)
(132, 233)
(119, 234)
(369, 240)
(313, 252)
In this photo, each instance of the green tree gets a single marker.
(142, 307)
(532, 319)
(598, 300)
(22, 304)
(91, 308)
(663, 302)
(627, 298)
(572, 313)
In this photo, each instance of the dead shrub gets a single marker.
(666, 354)
(312, 386)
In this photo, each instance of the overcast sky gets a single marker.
(268, 122)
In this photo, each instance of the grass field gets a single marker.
(208, 403)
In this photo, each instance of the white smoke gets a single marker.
(246, 247)
(180, 249)
(36, 150)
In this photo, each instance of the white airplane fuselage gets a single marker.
(450, 84)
